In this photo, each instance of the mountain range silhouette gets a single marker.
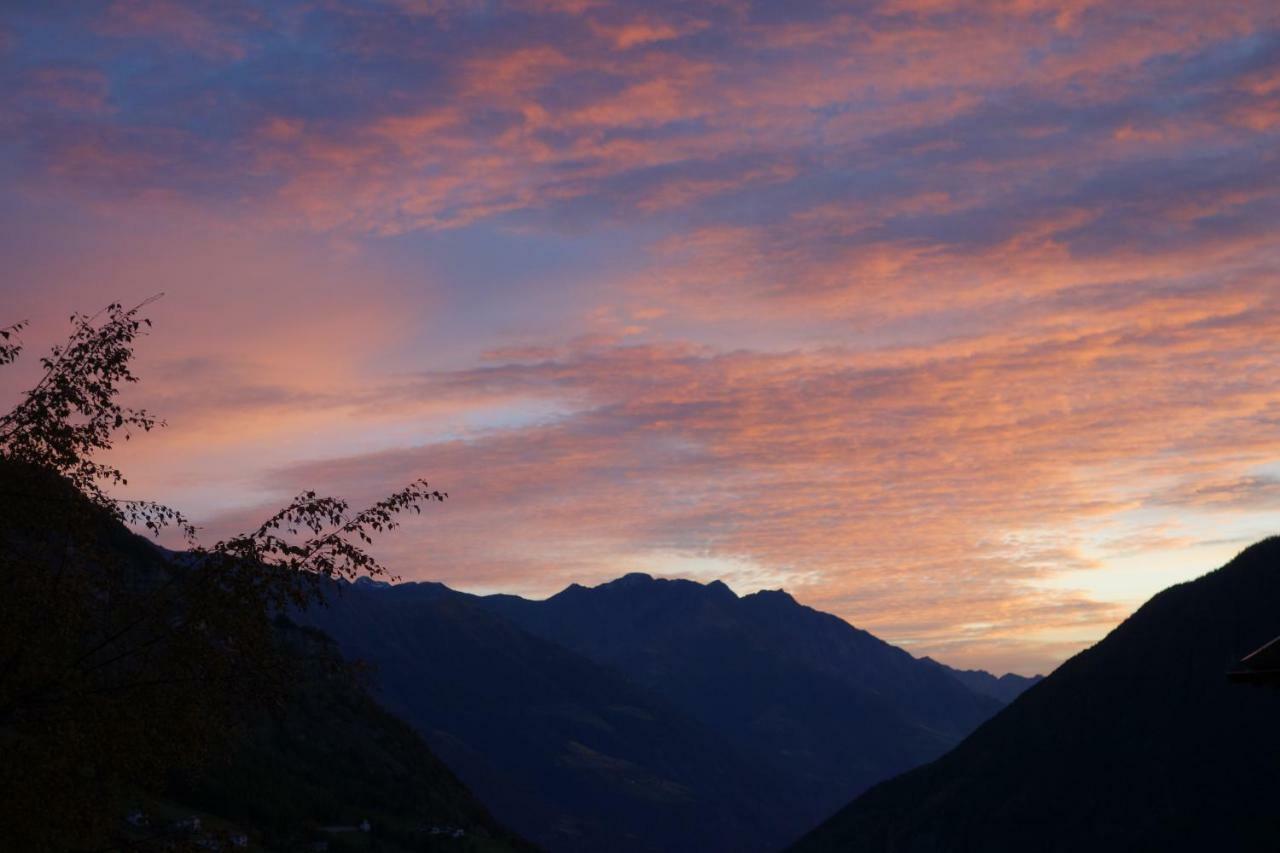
(648, 714)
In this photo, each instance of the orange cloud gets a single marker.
(933, 310)
(920, 496)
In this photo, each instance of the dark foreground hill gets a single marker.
(129, 707)
(1139, 743)
(648, 714)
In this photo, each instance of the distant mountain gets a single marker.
(829, 707)
(563, 750)
(652, 714)
(1138, 743)
(1006, 688)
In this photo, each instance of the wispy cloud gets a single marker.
(912, 304)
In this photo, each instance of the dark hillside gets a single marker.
(170, 720)
(332, 757)
(1138, 743)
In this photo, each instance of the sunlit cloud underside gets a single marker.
(957, 319)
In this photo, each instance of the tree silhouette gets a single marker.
(120, 661)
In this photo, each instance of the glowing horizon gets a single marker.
(956, 319)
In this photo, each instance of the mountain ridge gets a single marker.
(720, 676)
(565, 751)
(829, 705)
(1005, 687)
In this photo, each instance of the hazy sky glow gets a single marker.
(958, 319)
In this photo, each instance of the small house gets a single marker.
(1259, 667)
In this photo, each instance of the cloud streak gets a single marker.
(939, 312)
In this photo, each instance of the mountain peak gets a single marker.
(774, 596)
(366, 582)
(638, 580)
(721, 588)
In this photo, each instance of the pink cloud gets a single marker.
(914, 307)
(913, 497)
(182, 24)
(68, 88)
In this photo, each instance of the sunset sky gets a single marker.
(960, 320)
